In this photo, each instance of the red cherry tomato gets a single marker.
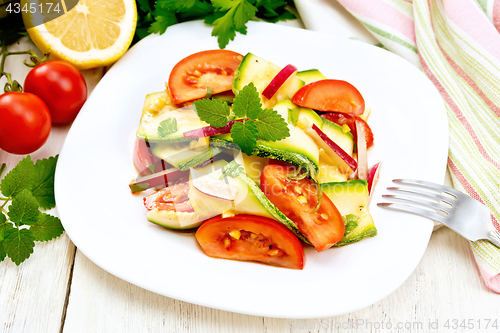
(330, 95)
(350, 120)
(61, 86)
(191, 76)
(297, 199)
(24, 122)
(251, 238)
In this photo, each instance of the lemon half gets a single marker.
(94, 33)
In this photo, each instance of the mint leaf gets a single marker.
(46, 228)
(350, 222)
(2, 252)
(293, 116)
(43, 182)
(24, 209)
(272, 126)
(245, 135)
(239, 12)
(167, 127)
(247, 102)
(19, 244)
(4, 226)
(214, 112)
(18, 179)
(232, 169)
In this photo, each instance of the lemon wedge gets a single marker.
(92, 34)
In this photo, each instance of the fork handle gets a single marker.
(494, 237)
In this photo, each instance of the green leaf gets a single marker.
(43, 182)
(350, 222)
(18, 179)
(176, 5)
(293, 116)
(167, 127)
(245, 135)
(4, 226)
(239, 12)
(164, 18)
(144, 5)
(24, 209)
(2, 252)
(247, 102)
(212, 111)
(272, 126)
(46, 228)
(232, 169)
(19, 244)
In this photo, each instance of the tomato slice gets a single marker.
(173, 198)
(350, 120)
(297, 199)
(251, 238)
(330, 95)
(191, 76)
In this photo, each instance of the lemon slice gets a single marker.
(94, 33)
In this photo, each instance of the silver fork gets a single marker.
(456, 210)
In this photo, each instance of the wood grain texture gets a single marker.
(445, 285)
(33, 295)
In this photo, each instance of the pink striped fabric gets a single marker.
(457, 44)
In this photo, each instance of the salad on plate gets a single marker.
(259, 160)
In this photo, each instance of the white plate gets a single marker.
(109, 225)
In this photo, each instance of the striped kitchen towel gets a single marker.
(457, 44)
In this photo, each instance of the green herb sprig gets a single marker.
(28, 188)
(350, 222)
(227, 16)
(254, 122)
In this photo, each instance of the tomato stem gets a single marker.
(35, 60)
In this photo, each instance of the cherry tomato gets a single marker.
(330, 95)
(191, 76)
(61, 86)
(251, 238)
(350, 120)
(297, 199)
(145, 161)
(24, 122)
(173, 198)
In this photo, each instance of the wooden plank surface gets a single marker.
(444, 286)
(33, 295)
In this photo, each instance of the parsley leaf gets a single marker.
(350, 222)
(247, 102)
(272, 126)
(18, 179)
(24, 209)
(167, 127)
(19, 244)
(178, 5)
(144, 5)
(46, 228)
(245, 135)
(232, 169)
(239, 12)
(214, 112)
(164, 18)
(43, 184)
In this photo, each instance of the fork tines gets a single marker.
(422, 198)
